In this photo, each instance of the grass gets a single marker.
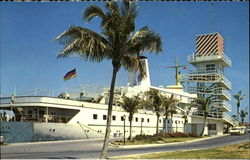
(235, 151)
(152, 141)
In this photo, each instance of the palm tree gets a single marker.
(117, 43)
(238, 98)
(204, 105)
(186, 113)
(243, 114)
(172, 111)
(185, 118)
(168, 103)
(131, 105)
(154, 99)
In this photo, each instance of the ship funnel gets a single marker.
(134, 78)
(145, 81)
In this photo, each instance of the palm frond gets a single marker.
(88, 44)
(130, 63)
(93, 11)
(144, 40)
(131, 104)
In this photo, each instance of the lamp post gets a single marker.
(142, 120)
(124, 129)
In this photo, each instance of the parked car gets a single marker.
(237, 131)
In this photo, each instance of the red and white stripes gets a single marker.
(209, 44)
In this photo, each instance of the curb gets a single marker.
(164, 144)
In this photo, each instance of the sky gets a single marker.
(28, 54)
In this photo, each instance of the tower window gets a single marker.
(210, 67)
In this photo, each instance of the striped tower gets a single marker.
(208, 78)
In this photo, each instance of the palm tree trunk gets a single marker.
(130, 130)
(238, 112)
(204, 124)
(110, 106)
(166, 124)
(171, 128)
(157, 124)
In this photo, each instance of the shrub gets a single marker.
(192, 134)
(158, 137)
(180, 134)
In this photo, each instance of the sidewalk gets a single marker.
(164, 144)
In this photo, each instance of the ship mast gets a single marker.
(176, 66)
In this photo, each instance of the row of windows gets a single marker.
(104, 117)
(95, 116)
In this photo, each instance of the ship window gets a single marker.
(160, 120)
(104, 117)
(94, 116)
(41, 112)
(113, 118)
(122, 118)
(136, 119)
(148, 120)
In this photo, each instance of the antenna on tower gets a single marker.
(212, 17)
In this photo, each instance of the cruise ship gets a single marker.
(68, 117)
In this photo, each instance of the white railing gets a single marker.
(213, 91)
(226, 59)
(227, 94)
(226, 81)
(208, 70)
(220, 103)
(217, 115)
(220, 55)
(196, 77)
(229, 119)
(210, 114)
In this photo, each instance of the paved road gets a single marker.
(90, 149)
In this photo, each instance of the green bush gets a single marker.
(158, 137)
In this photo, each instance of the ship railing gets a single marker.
(38, 118)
